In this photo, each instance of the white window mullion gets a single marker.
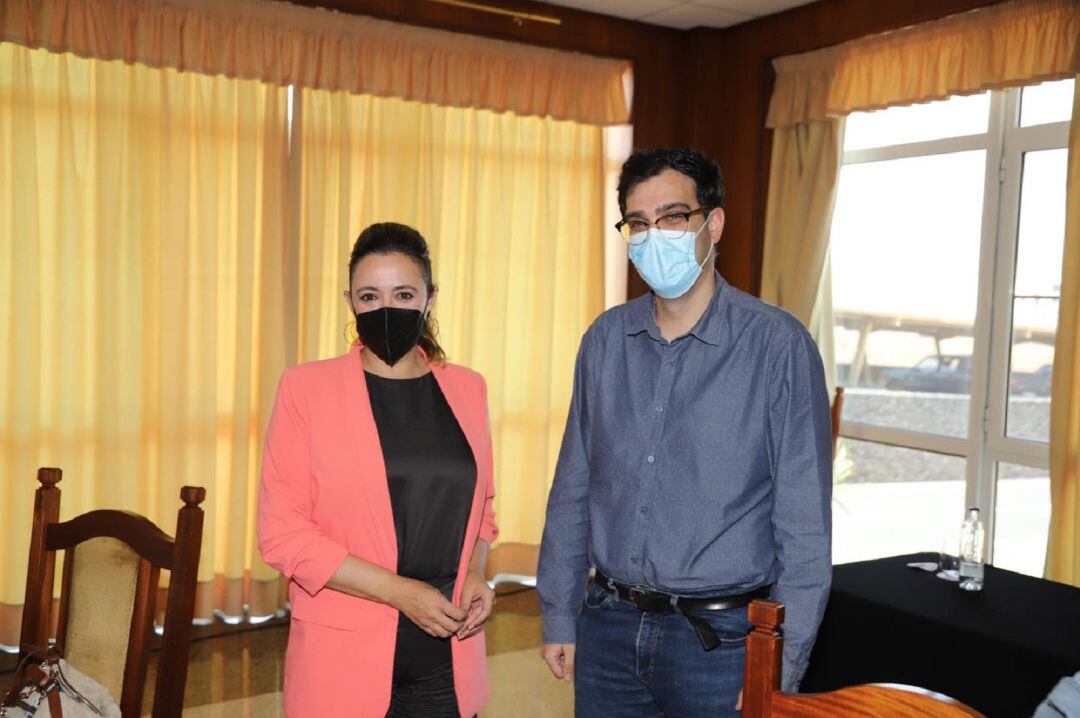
(1000, 448)
(917, 149)
(1019, 451)
(904, 438)
(1042, 137)
(992, 317)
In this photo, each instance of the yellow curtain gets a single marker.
(513, 210)
(1014, 43)
(281, 43)
(1063, 551)
(803, 177)
(141, 323)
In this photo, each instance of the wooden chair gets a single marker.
(762, 697)
(837, 409)
(105, 621)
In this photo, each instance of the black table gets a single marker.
(1000, 650)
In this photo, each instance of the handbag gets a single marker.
(47, 686)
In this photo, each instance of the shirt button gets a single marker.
(659, 410)
(671, 360)
(634, 559)
(651, 459)
(644, 509)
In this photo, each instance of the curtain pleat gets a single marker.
(284, 44)
(1063, 550)
(1014, 43)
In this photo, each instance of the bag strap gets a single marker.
(29, 674)
(11, 698)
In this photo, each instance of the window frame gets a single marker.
(986, 444)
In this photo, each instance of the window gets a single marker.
(946, 254)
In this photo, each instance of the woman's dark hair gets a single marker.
(394, 238)
(698, 166)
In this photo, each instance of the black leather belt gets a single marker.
(648, 601)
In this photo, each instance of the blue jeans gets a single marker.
(630, 664)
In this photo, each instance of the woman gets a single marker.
(376, 502)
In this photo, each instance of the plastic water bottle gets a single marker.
(972, 541)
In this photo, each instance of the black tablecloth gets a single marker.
(1000, 650)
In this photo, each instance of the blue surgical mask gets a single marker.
(669, 266)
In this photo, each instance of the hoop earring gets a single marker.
(355, 338)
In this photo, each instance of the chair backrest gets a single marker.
(762, 697)
(837, 410)
(105, 621)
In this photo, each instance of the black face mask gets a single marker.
(390, 332)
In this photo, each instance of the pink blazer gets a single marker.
(323, 496)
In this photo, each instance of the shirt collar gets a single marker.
(707, 329)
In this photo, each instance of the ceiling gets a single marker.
(681, 14)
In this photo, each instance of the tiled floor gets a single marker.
(236, 665)
(228, 664)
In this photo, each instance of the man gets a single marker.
(695, 472)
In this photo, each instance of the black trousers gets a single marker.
(427, 696)
(423, 683)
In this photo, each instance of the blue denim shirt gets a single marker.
(698, 467)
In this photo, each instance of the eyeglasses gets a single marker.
(671, 225)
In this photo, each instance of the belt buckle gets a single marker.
(636, 597)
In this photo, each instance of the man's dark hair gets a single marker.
(698, 166)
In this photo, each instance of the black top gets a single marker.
(431, 475)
